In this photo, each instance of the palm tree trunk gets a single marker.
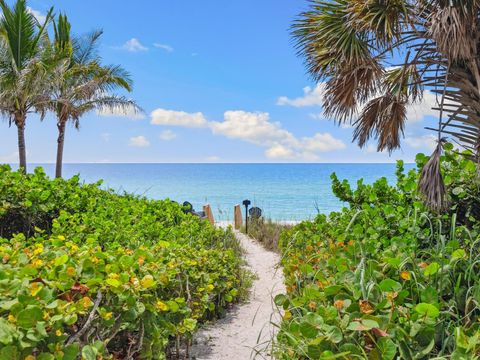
(60, 142)
(22, 151)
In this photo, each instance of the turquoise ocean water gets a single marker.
(282, 191)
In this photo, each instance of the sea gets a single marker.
(284, 192)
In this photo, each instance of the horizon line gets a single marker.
(213, 163)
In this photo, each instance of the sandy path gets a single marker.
(246, 331)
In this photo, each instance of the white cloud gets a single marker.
(178, 118)
(255, 128)
(417, 112)
(322, 143)
(130, 113)
(314, 97)
(37, 14)
(167, 135)
(165, 47)
(279, 151)
(139, 141)
(425, 141)
(252, 127)
(134, 45)
(311, 97)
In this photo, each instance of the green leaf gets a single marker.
(389, 285)
(113, 282)
(89, 352)
(386, 348)
(432, 269)
(458, 190)
(458, 254)
(28, 318)
(427, 310)
(71, 352)
(7, 332)
(280, 299)
(9, 353)
(45, 356)
(190, 324)
(61, 260)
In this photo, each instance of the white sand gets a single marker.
(246, 332)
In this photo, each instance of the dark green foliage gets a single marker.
(145, 273)
(385, 278)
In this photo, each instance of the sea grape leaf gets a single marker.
(28, 317)
(427, 310)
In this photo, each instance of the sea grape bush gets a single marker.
(385, 278)
(87, 273)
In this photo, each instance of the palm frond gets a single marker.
(431, 184)
(382, 119)
(351, 88)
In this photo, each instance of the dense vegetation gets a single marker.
(385, 278)
(86, 271)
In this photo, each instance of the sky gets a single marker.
(219, 81)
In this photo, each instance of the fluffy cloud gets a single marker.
(322, 143)
(165, 47)
(134, 45)
(417, 112)
(314, 97)
(252, 127)
(167, 135)
(130, 113)
(139, 141)
(425, 141)
(311, 97)
(279, 151)
(255, 128)
(178, 118)
(37, 14)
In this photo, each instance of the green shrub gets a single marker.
(385, 278)
(266, 232)
(86, 271)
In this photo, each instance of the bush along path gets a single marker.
(247, 331)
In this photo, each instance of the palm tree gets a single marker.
(22, 67)
(82, 84)
(379, 56)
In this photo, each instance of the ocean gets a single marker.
(284, 192)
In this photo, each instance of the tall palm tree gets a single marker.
(22, 67)
(82, 84)
(379, 56)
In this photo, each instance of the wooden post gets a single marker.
(237, 217)
(209, 213)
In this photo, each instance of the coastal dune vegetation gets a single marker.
(395, 274)
(89, 273)
(386, 278)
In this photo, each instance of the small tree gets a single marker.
(23, 69)
(81, 83)
(379, 56)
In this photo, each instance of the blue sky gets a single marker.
(219, 82)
